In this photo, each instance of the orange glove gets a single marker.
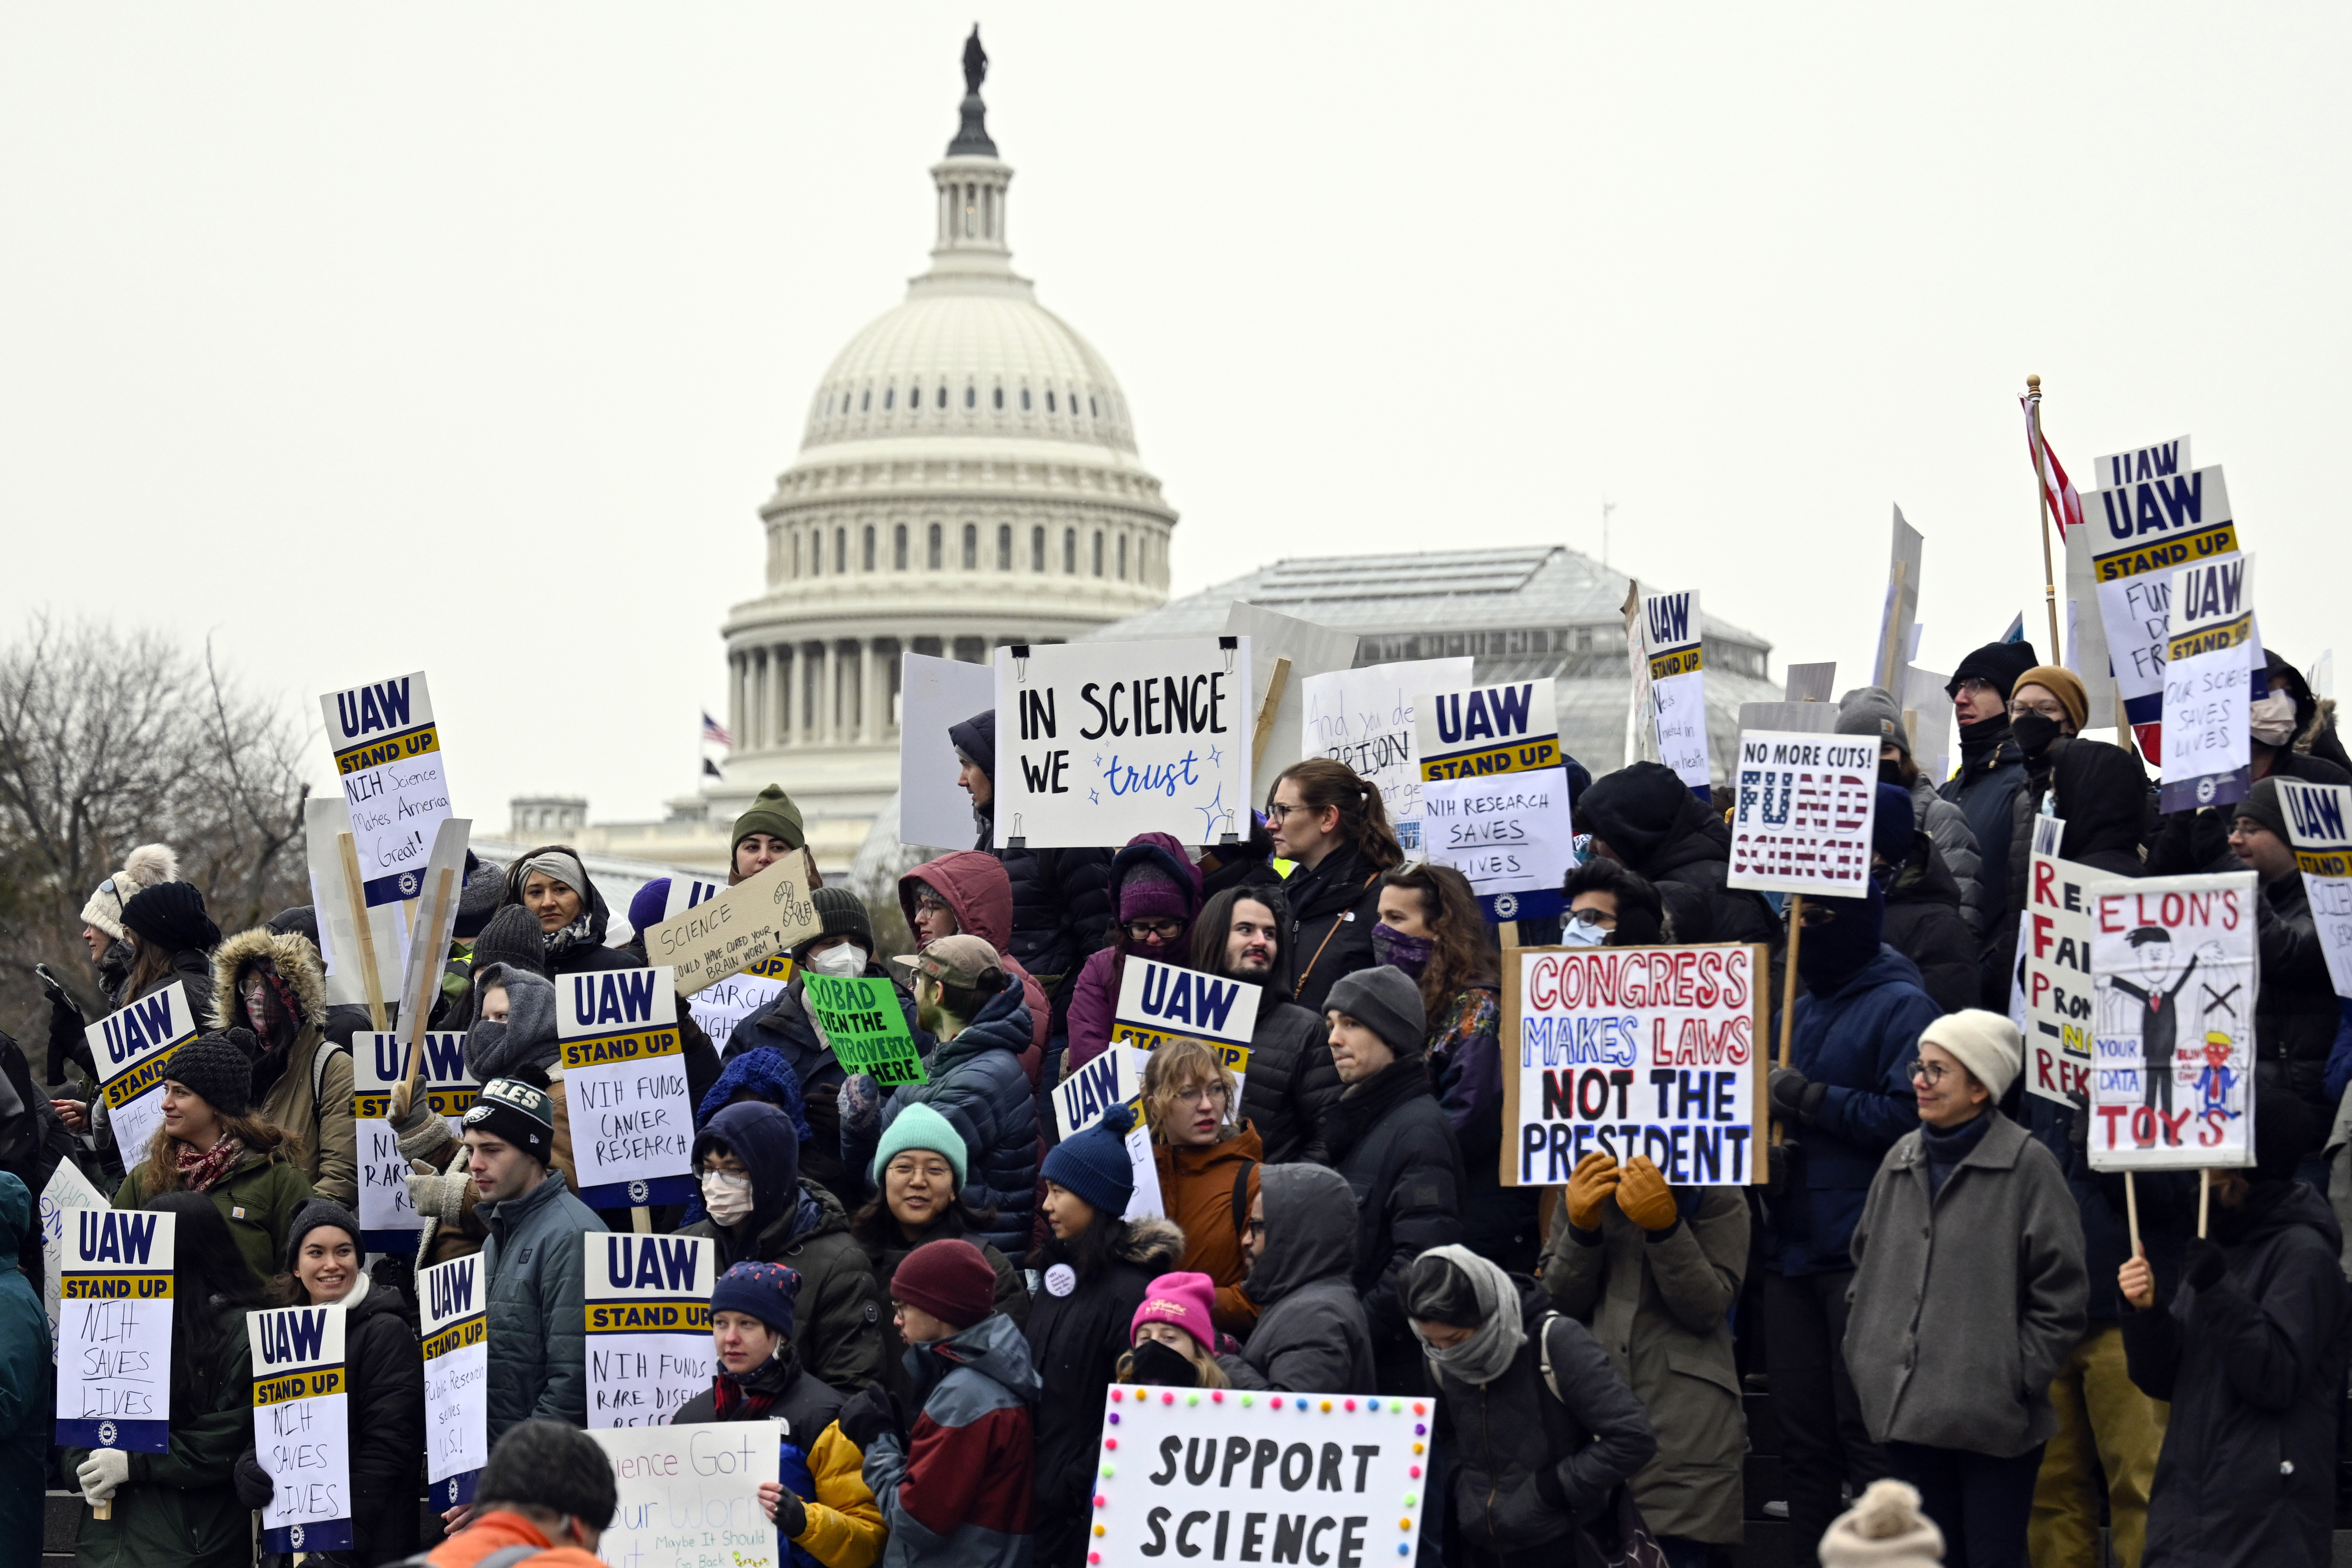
(1590, 1186)
(1644, 1196)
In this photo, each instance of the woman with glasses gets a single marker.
(1334, 825)
(1209, 1162)
(1155, 890)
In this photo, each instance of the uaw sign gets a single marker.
(1672, 633)
(302, 1427)
(388, 1219)
(454, 1314)
(130, 1049)
(632, 1122)
(115, 1331)
(1494, 795)
(1160, 1001)
(648, 1304)
(388, 754)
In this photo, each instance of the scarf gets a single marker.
(493, 1050)
(1410, 953)
(201, 1171)
(748, 1397)
(1982, 741)
(1488, 1353)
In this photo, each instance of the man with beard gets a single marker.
(1291, 1082)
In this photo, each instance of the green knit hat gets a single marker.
(920, 1127)
(773, 812)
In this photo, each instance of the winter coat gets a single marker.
(2102, 794)
(1983, 787)
(1925, 924)
(815, 1463)
(2253, 1366)
(1660, 1304)
(884, 1258)
(1310, 1334)
(1074, 1343)
(27, 1385)
(976, 1082)
(783, 1028)
(1940, 1277)
(1095, 998)
(1530, 1465)
(2190, 841)
(1292, 1083)
(1060, 912)
(1653, 824)
(258, 1197)
(1393, 1144)
(488, 1534)
(179, 1508)
(957, 1489)
(32, 1149)
(837, 1319)
(1206, 1191)
(2296, 1011)
(1466, 1073)
(191, 967)
(311, 1095)
(1956, 841)
(982, 902)
(1332, 909)
(1860, 1040)
(536, 1318)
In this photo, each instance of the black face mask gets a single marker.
(1890, 770)
(2034, 732)
(1164, 1365)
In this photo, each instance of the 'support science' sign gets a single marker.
(388, 752)
(1803, 815)
(1634, 1050)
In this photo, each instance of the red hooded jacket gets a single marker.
(977, 889)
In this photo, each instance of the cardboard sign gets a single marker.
(748, 924)
(1802, 813)
(115, 1331)
(1366, 719)
(1098, 741)
(933, 694)
(2172, 960)
(451, 1301)
(1236, 1476)
(388, 1220)
(690, 1496)
(2053, 948)
(131, 1048)
(631, 1120)
(302, 1427)
(388, 754)
(1087, 1096)
(1160, 1001)
(648, 1303)
(1635, 1050)
(2208, 682)
(67, 1191)
(1494, 795)
(1312, 650)
(718, 1007)
(862, 1020)
(2319, 821)
(1671, 636)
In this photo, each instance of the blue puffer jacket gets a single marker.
(1859, 1040)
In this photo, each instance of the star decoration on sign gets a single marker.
(1216, 757)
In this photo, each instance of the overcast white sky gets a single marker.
(471, 338)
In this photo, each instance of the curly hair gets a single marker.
(1176, 1066)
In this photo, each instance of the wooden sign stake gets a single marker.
(2042, 497)
(2204, 1191)
(2131, 1210)
(1265, 712)
(351, 886)
(423, 1001)
(1788, 994)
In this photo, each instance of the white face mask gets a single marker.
(727, 1198)
(1576, 933)
(846, 962)
(2272, 719)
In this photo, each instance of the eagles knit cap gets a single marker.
(1094, 1166)
(960, 961)
(772, 813)
(646, 905)
(172, 916)
(217, 1069)
(143, 868)
(1183, 1300)
(948, 1279)
(1148, 892)
(1998, 664)
(1869, 711)
(2262, 806)
(920, 1127)
(1987, 1043)
(843, 914)
(1894, 824)
(768, 1292)
(1385, 1000)
(2063, 684)
(519, 1113)
(309, 1216)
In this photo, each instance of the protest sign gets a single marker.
(1635, 1050)
(1364, 718)
(648, 1304)
(1927, 710)
(864, 1026)
(718, 1007)
(1161, 1002)
(1098, 741)
(749, 923)
(690, 1496)
(2206, 685)
(325, 820)
(2053, 949)
(1113, 1078)
(1671, 632)
(451, 1301)
(388, 1220)
(2172, 966)
(1230, 1476)
(67, 1191)
(434, 927)
(115, 1331)
(2319, 823)
(1804, 809)
(302, 1427)
(1300, 650)
(130, 1049)
(933, 694)
(2086, 632)
(1494, 795)
(388, 754)
(1895, 623)
(1640, 734)
(632, 1122)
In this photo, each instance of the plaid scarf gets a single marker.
(750, 1396)
(201, 1171)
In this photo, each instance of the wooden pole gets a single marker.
(2204, 1191)
(353, 884)
(2124, 732)
(641, 1220)
(1789, 995)
(2041, 499)
(430, 973)
(1275, 684)
(2131, 1209)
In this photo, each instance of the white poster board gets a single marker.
(1313, 651)
(2208, 682)
(1365, 718)
(690, 1496)
(1098, 741)
(2319, 823)
(1161, 1002)
(717, 1009)
(67, 1191)
(2172, 960)
(624, 1083)
(1804, 807)
(1087, 1096)
(453, 1312)
(934, 693)
(324, 822)
(388, 1219)
(302, 1427)
(1673, 634)
(2054, 949)
(130, 1047)
(648, 1305)
(1230, 1477)
(387, 752)
(1494, 795)
(115, 1331)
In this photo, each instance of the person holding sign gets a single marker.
(1873, 710)
(1208, 1166)
(553, 884)
(1334, 825)
(1060, 903)
(171, 939)
(1156, 889)
(769, 829)
(546, 1483)
(2280, 724)
(275, 987)
(969, 893)
(27, 1402)
(1292, 1083)
(1991, 768)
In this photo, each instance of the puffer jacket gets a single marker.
(1332, 908)
(1206, 1191)
(1924, 924)
(1061, 905)
(976, 1082)
(1984, 786)
(1310, 1334)
(1393, 1144)
(1956, 841)
(975, 889)
(885, 1254)
(258, 1197)
(1465, 1072)
(1653, 824)
(27, 1381)
(1095, 999)
(957, 1489)
(815, 1462)
(2296, 1011)
(299, 1060)
(536, 1319)
(1292, 1083)
(782, 1030)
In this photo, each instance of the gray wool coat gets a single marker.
(1964, 1307)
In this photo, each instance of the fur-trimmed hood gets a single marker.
(1151, 1243)
(291, 958)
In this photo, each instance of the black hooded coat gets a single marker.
(1653, 824)
(1061, 897)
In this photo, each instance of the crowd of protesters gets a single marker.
(1963, 1352)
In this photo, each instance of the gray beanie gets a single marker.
(1870, 710)
(1386, 1000)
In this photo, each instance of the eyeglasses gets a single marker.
(1973, 685)
(1276, 811)
(1154, 931)
(932, 904)
(1206, 1093)
(1589, 916)
(1927, 1072)
(1256, 1227)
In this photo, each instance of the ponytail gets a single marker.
(1363, 819)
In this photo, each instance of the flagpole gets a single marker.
(2042, 497)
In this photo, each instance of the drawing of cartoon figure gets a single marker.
(2215, 1080)
(2160, 1011)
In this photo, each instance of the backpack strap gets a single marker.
(1299, 988)
(1241, 1197)
(327, 1048)
(1543, 1355)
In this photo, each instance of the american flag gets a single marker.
(715, 733)
(2065, 502)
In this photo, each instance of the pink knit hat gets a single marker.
(1183, 1300)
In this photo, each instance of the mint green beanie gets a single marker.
(920, 1127)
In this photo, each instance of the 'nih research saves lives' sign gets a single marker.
(1494, 795)
(388, 754)
(115, 1331)
(302, 1427)
(632, 1122)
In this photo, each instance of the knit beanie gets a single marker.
(1183, 1300)
(511, 940)
(1891, 829)
(1884, 1529)
(217, 1069)
(518, 1111)
(2063, 684)
(920, 1127)
(1095, 1164)
(172, 916)
(646, 906)
(768, 1292)
(479, 898)
(2262, 803)
(1872, 710)
(312, 1213)
(1998, 664)
(1148, 892)
(843, 913)
(950, 1279)
(771, 811)
(1636, 810)
(145, 866)
(1386, 1000)
(1987, 1043)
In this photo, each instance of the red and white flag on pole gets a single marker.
(2065, 500)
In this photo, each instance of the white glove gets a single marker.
(103, 1473)
(439, 1198)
